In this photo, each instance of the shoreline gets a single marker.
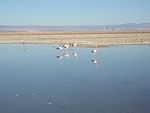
(84, 39)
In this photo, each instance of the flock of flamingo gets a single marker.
(67, 45)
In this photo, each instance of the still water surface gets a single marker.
(40, 79)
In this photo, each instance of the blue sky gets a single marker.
(73, 12)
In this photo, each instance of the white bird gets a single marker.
(95, 62)
(74, 44)
(66, 46)
(59, 48)
(94, 51)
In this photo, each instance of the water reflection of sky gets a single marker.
(33, 80)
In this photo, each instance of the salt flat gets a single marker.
(84, 39)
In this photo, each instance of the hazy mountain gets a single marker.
(74, 28)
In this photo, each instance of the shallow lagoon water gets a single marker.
(34, 80)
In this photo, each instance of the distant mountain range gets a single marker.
(74, 28)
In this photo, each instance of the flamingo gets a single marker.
(66, 46)
(74, 44)
(94, 51)
(95, 62)
(59, 48)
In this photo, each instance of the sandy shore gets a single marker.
(84, 39)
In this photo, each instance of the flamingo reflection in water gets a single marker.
(25, 47)
(59, 57)
(76, 55)
(66, 54)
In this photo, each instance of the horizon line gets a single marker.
(71, 24)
